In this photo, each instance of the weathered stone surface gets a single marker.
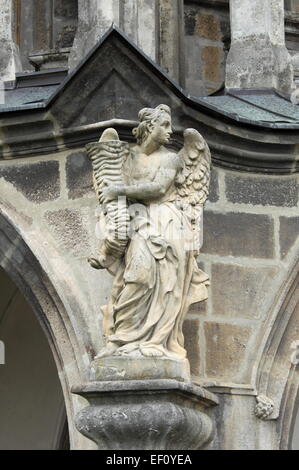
(78, 175)
(273, 191)
(225, 349)
(238, 234)
(191, 335)
(214, 186)
(68, 228)
(211, 59)
(288, 233)
(139, 368)
(38, 182)
(167, 415)
(199, 307)
(9, 56)
(240, 291)
(258, 57)
(208, 27)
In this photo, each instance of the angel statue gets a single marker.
(151, 202)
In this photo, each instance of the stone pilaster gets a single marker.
(154, 26)
(9, 53)
(258, 57)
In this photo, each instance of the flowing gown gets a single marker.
(155, 283)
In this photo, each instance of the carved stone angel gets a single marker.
(160, 196)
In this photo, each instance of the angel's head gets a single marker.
(155, 123)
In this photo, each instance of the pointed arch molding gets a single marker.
(23, 266)
(277, 374)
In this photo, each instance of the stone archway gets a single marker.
(277, 375)
(32, 406)
(25, 269)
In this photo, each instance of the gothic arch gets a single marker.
(277, 374)
(25, 268)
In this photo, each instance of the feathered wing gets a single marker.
(193, 180)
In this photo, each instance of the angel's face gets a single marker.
(161, 129)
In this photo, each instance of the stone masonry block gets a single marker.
(211, 59)
(288, 233)
(38, 182)
(214, 186)
(208, 27)
(191, 335)
(68, 228)
(250, 283)
(272, 190)
(238, 234)
(225, 349)
(78, 175)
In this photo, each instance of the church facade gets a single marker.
(71, 69)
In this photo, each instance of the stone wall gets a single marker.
(251, 238)
(250, 244)
(207, 37)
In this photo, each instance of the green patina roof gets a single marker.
(256, 108)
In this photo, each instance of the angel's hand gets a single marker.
(112, 191)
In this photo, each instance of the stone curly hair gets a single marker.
(148, 116)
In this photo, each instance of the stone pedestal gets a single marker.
(146, 415)
(258, 57)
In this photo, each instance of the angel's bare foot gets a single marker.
(108, 350)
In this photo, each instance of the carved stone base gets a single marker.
(139, 368)
(146, 414)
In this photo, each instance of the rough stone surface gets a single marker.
(208, 27)
(38, 182)
(139, 368)
(78, 175)
(238, 234)
(156, 27)
(214, 186)
(206, 35)
(251, 284)
(271, 191)
(68, 228)
(288, 233)
(191, 335)
(258, 57)
(211, 58)
(225, 349)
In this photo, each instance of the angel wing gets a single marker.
(194, 179)
(193, 182)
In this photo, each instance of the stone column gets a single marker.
(258, 57)
(154, 26)
(9, 53)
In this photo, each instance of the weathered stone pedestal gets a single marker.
(149, 413)
(145, 415)
(139, 368)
